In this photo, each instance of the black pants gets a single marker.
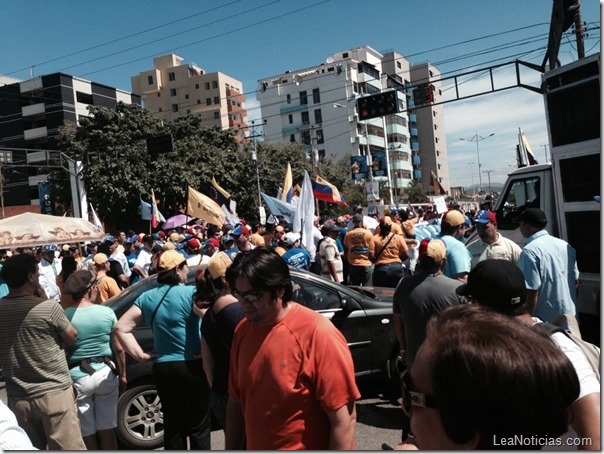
(388, 275)
(185, 398)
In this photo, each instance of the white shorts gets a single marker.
(97, 401)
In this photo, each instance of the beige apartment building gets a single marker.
(173, 89)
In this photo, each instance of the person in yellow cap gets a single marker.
(106, 286)
(177, 367)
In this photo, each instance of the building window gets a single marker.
(434, 113)
(305, 118)
(321, 154)
(320, 137)
(206, 85)
(290, 118)
(318, 116)
(437, 153)
(398, 65)
(186, 96)
(216, 99)
(209, 101)
(174, 107)
(305, 137)
(292, 138)
(150, 80)
(303, 98)
(289, 99)
(171, 77)
(160, 110)
(436, 139)
(159, 94)
(214, 84)
(430, 72)
(438, 166)
(84, 98)
(172, 91)
(216, 115)
(188, 111)
(196, 86)
(199, 101)
(316, 96)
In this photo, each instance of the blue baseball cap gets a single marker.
(109, 239)
(50, 248)
(485, 216)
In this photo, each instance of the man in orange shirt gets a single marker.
(291, 376)
(356, 244)
(105, 285)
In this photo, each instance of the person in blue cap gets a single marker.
(492, 244)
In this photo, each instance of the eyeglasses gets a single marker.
(251, 297)
(413, 398)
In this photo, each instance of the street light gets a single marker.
(472, 177)
(476, 138)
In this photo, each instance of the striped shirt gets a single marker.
(31, 353)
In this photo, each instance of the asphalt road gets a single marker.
(378, 419)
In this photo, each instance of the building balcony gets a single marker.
(415, 146)
(416, 160)
(289, 108)
(412, 118)
(232, 94)
(33, 109)
(413, 132)
(35, 133)
(417, 174)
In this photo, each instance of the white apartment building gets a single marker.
(172, 90)
(316, 106)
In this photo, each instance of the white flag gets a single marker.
(279, 208)
(304, 217)
(95, 219)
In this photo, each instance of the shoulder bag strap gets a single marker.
(383, 247)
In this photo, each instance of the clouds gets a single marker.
(501, 113)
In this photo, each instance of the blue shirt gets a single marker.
(549, 265)
(459, 259)
(298, 258)
(176, 328)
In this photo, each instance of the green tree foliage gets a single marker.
(415, 193)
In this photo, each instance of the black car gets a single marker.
(362, 314)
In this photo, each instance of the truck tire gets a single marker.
(140, 421)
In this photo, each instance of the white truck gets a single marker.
(568, 188)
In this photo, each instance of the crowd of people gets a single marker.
(467, 315)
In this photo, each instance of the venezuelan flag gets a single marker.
(327, 192)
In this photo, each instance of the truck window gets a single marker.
(521, 194)
(580, 180)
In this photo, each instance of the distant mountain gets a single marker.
(495, 187)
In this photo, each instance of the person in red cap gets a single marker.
(241, 235)
(492, 244)
(193, 248)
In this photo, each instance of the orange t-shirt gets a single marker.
(356, 242)
(106, 288)
(286, 376)
(392, 252)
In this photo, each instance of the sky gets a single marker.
(110, 41)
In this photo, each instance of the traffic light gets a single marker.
(377, 105)
(428, 93)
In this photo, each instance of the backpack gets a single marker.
(591, 351)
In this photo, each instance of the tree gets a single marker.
(415, 192)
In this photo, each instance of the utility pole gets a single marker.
(253, 134)
(579, 34)
(545, 151)
(488, 172)
(476, 138)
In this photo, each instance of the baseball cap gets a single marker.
(279, 228)
(109, 239)
(357, 218)
(434, 249)
(100, 258)
(50, 248)
(226, 239)
(79, 282)
(174, 237)
(168, 260)
(194, 243)
(453, 218)
(213, 241)
(168, 246)
(218, 265)
(241, 230)
(485, 216)
(498, 284)
(533, 216)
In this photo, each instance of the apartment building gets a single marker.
(31, 112)
(316, 106)
(173, 90)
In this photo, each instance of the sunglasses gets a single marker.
(250, 297)
(413, 398)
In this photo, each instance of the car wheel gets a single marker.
(140, 421)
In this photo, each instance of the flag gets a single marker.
(203, 207)
(230, 217)
(526, 153)
(154, 216)
(279, 208)
(146, 209)
(95, 219)
(287, 191)
(438, 188)
(304, 216)
(217, 194)
(324, 190)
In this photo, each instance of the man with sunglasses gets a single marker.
(291, 378)
(492, 244)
